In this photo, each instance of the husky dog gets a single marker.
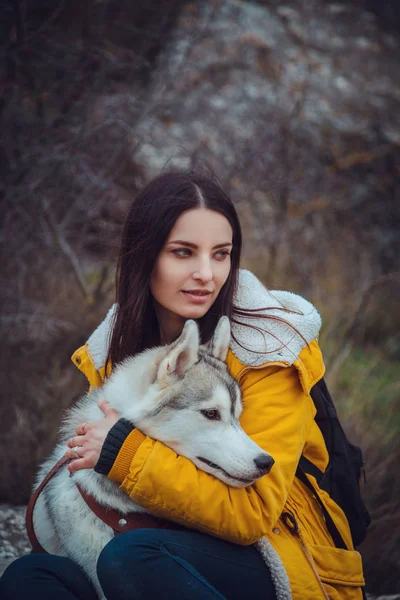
(180, 394)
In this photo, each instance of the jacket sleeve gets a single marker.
(277, 415)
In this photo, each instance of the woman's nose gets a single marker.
(204, 271)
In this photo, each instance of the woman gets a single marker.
(179, 259)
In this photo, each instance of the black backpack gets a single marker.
(342, 476)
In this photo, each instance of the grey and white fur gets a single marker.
(180, 394)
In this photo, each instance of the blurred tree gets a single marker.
(74, 81)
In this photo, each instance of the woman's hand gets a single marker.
(90, 439)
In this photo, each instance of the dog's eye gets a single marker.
(212, 414)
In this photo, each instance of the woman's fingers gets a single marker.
(75, 452)
(76, 441)
(81, 459)
(83, 429)
(75, 465)
(84, 449)
(80, 463)
(103, 406)
(107, 410)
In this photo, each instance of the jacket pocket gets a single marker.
(338, 567)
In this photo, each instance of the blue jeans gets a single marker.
(145, 564)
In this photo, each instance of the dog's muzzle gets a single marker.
(263, 462)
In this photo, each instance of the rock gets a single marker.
(4, 562)
(326, 79)
(13, 538)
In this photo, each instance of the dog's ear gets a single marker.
(182, 354)
(218, 346)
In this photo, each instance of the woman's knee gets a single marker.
(20, 566)
(118, 566)
(126, 553)
(47, 575)
(127, 548)
(21, 569)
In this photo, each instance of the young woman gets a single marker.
(179, 260)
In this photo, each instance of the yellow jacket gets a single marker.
(278, 414)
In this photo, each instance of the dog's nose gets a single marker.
(264, 463)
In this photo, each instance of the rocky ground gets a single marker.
(14, 541)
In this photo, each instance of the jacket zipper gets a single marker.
(270, 364)
(290, 522)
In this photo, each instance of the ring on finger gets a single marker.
(77, 455)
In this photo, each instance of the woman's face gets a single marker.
(195, 258)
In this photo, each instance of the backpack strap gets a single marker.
(309, 467)
(342, 475)
(333, 530)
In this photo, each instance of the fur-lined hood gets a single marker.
(280, 341)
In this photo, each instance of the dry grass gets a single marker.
(368, 400)
(39, 382)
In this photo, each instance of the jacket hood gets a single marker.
(291, 322)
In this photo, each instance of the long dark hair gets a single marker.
(151, 218)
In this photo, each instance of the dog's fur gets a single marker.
(167, 392)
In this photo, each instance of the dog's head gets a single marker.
(193, 406)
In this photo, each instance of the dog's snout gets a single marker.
(264, 463)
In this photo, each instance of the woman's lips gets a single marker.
(197, 298)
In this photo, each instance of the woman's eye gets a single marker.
(224, 253)
(212, 414)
